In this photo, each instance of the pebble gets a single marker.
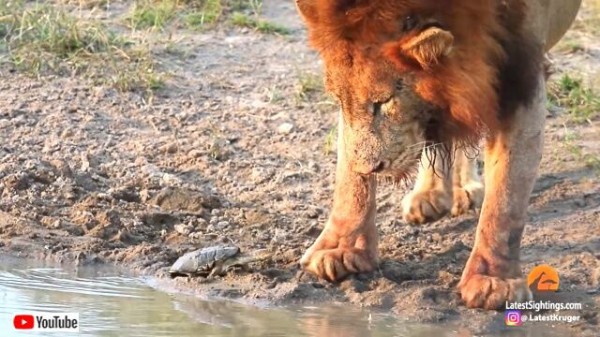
(196, 235)
(285, 128)
(222, 224)
(170, 148)
(200, 223)
(170, 179)
(184, 229)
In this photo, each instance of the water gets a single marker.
(110, 304)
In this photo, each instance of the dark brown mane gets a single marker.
(492, 68)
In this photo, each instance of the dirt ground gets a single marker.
(235, 150)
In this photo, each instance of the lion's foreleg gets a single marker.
(441, 187)
(431, 197)
(348, 243)
(492, 274)
(467, 188)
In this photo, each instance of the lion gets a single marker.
(416, 82)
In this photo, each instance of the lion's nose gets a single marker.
(366, 170)
(380, 167)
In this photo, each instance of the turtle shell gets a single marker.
(202, 260)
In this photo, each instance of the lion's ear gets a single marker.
(428, 47)
(307, 10)
(310, 10)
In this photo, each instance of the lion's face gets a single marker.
(386, 124)
(404, 75)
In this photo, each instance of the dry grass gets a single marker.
(40, 39)
(200, 14)
(253, 22)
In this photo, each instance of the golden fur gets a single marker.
(412, 73)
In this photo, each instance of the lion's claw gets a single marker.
(466, 198)
(482, 291)
(336, 264)
(420, 207)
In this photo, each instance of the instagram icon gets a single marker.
(513, 318)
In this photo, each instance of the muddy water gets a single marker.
(110, 304)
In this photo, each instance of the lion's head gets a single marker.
(409, 73)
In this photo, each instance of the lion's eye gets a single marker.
(399, 85)
(377, 105)
(410, 22)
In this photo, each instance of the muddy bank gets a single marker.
(235, 150)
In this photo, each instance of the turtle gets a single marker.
(215, 260)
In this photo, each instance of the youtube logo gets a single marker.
(46, 321)
(23, 322)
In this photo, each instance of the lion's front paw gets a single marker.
(333, 257)
(421, 206)
(335, 264)
(469, 196)
(488, 292)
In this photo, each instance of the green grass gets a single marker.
(148, 14)
(308, 86)
(310, 91)
(590, 160)
(40, 39)
(244, 20)
(199, 14)
(582, 103)
(86, 3)
(330, 141)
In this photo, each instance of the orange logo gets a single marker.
(543, 278)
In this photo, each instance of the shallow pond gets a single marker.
(110, 304)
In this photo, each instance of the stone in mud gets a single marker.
(184, 229)
(184, 200)
(109, 224)
(158, 219)
(285, 128)
(123, 235)
(17, 181)
(128, 194)
(170, 148)
(86, 182)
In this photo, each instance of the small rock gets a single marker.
(313, 166)
(62, 168)
(313, 213)
(144, 195)
(17, 181)
(184, 229)
(196, 235)
(285, 128)
(169, 148)
(201, 223)
(85, 162)
(313, 230)
(179, 199)
(222, 225)
(291, 255)
(128, 194)
(169, 179)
